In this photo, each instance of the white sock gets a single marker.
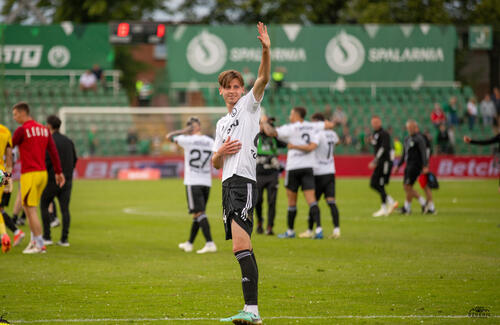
(383, 206)
(421, 200)
(17, 232)
(254, 309)
(290, 231)
(431, 205)
(39, 241)
(318, 230)
(407, 206)
(245, 307)
(389, 199)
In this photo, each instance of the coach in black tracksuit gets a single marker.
(268, 170)
(416, 159)
(67, 153)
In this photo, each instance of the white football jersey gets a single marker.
(197, 158)
(300, 133)
(325, 163)
(241, 124)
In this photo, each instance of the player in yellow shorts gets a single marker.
(32, 186)
(34, 140)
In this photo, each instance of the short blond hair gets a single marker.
(225, 77)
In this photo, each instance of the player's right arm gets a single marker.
(306, 147)
(18, 136)
(170, 137)
(495, 139)
(226, 149)
(264, 73)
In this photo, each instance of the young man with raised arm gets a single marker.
(235, 151)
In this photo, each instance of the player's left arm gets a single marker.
(423, 154)
(56, 162)
(264, 73)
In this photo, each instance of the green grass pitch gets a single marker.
(124, 266)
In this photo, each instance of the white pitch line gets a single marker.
(93, 320)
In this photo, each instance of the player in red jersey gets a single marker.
(33, 140)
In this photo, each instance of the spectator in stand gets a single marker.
(451, 110)
(437, 116)
(444, 145)
(328, 111)
(248, 78)
(132, 139)
(92, 138)
(339, 117)
(471, 112)
(144, 92)
(97, 71)
(346, 138)
(398, 150)
(487, 110)
(88, 81)
(496, 100)
(278, 77)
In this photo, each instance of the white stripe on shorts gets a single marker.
(190, 198)
(248, 204)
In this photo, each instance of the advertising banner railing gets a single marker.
(351, 166)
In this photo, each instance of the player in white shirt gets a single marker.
(197, 179)
(235, 151)
(302, 139)
(324, 178)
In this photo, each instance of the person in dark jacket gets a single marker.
(417, 162)
(268, 170)
(486, 142)
(67, 153)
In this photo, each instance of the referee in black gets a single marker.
(417, 162)
(67, 153)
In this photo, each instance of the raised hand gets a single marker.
(263, 36)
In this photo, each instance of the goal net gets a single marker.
(119, 131)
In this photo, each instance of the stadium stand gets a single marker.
(394, 104)
(46, 96)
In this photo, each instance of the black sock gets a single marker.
(194, 230)
(23, 216)
(292, 213)
(249, 276)
(8, 222)
(205, 227)
(310, 221)
(315, 213)
(335, 213)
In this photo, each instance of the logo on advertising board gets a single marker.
(59, 56)
(206, 53)
(345, 54)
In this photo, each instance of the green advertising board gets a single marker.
(323, 53)
(65, 46)
(480, 37)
